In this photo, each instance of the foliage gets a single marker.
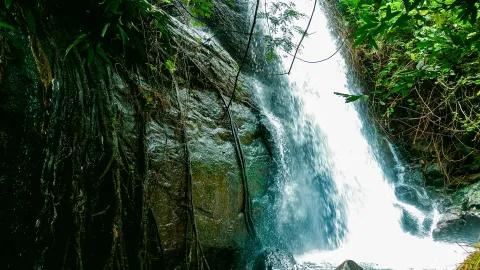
(5, 26)
(421, 61)
(120, 23)
(280, 18)
(99, 29)
(472, 262)
(200, 8)
(170, 65)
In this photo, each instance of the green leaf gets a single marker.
(373, 43)
(351, 98)
(406, 3)
(401, 21)
(8, 3)
(359, 40)
(390, 15)
(123, 35)
(104, 30)
(112, 6)
(7, 26)
(90, 55)
(75, 43)
(99, 50)
(170, 65)
(270, 55)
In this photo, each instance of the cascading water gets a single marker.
(336, 201)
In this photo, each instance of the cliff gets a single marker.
(126, 157)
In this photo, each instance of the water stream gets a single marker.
(337, 201)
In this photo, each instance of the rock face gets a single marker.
(111, 156)
(461, 220)
(217, 187)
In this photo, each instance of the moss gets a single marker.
(472, 262)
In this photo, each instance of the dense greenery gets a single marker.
(99, 29)
(421, 61)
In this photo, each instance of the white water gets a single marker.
(367, 207)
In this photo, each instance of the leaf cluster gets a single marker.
(413, 43)
(421, 62)
(280, 19)
(120, 27)
(98, 29)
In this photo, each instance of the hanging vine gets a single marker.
(247, 209)
(192, 239)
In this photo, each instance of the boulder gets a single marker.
(461, 219)
(409, 222)
(274, 259)
(458, 227)
(349, 265)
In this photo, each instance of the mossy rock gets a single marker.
(472, 262)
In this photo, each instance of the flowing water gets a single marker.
(337, 195)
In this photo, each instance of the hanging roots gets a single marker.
(191, 225)
(247, 210)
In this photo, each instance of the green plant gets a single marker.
(420, 60)
(473, 260)
(120, 24)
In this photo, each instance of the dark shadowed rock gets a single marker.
(433, 175)
(456, 227)
(461, 221)
(275, 259)
(411, 194)
(349, 265)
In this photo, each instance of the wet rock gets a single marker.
(433, 175)
(458, 228)
(409, 223)
(275, 259)
(472, 198)
(216, 177)
(461, 220)
(413, 195)
(349, 265)
(427, 224)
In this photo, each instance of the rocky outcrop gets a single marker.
(461, 218)
(349, 265)
(216, 176)
(133, 161)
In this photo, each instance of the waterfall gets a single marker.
(335, 200)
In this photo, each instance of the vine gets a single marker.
(247, 211)
(200, 258)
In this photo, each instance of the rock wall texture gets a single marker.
(120, 165)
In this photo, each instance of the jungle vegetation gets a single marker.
(420, 60)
